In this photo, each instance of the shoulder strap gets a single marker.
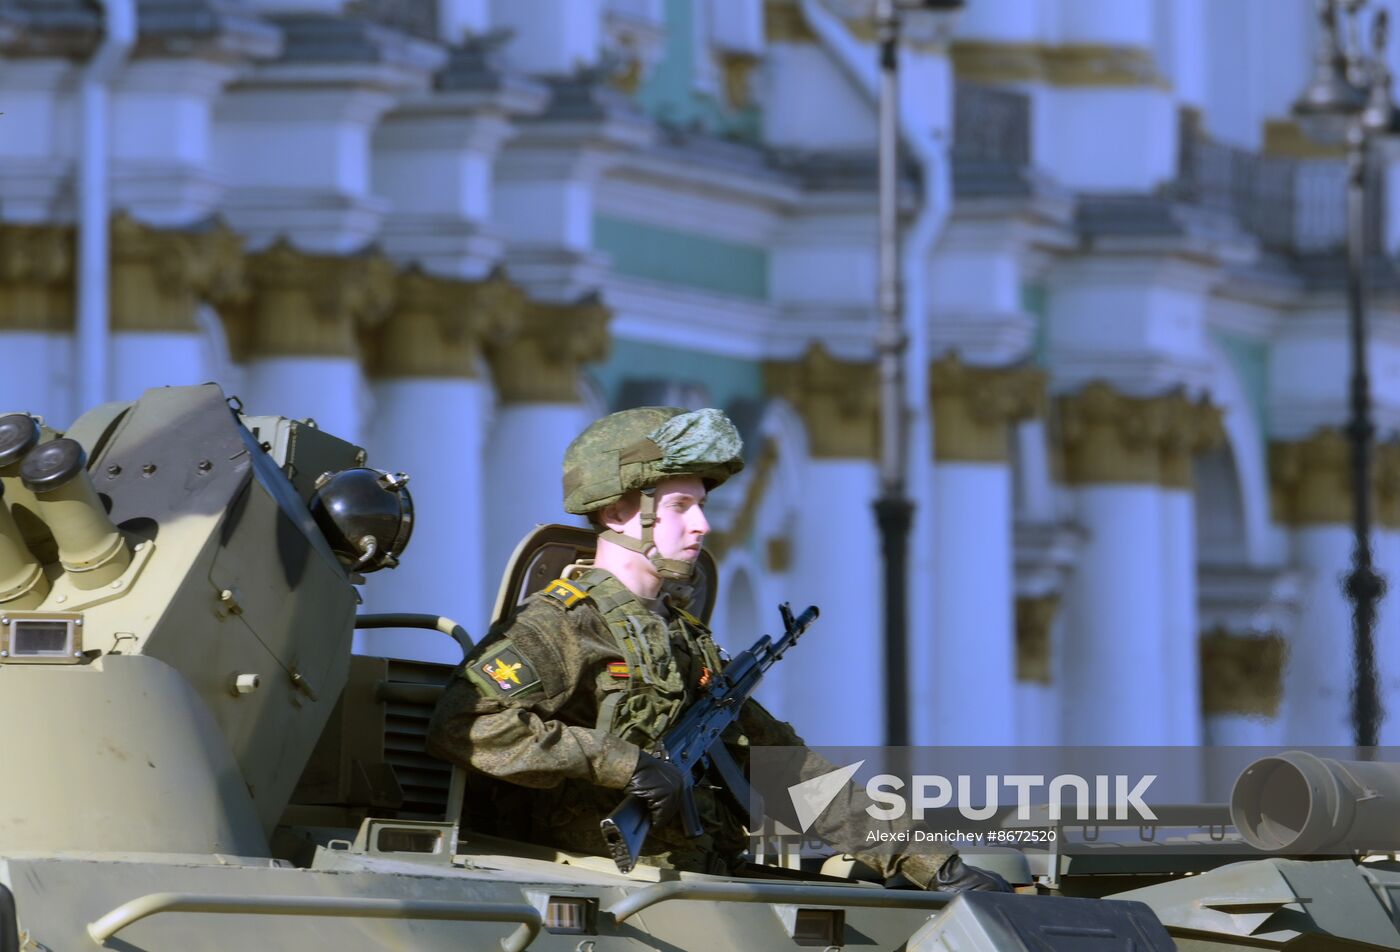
(565, 592)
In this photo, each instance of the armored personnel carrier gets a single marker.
(194, 758)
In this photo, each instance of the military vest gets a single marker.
(641, 702)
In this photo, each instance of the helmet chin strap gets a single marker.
(672, 569)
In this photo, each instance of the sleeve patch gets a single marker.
(505, 671)
(565, 592)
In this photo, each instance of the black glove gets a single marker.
(659, 783)
(955, 876)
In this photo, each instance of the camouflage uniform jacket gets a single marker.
(556, 705)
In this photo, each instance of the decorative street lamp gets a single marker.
(1348, 100)
(894, 510)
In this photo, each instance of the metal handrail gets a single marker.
(136, 909)
(418, 620)
(786, 893)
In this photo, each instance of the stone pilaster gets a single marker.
(1109, 438)
(540, 363)
(160, 276)
(440, 327)
(36, 277)
(308, 305)
(1034, 619)
(1241, 674)
(838, 400)
(974, 408)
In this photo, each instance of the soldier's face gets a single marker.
(680, 518)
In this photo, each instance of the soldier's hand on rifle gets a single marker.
(956, 876)
(659, 783)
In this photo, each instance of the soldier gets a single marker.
(564, 700)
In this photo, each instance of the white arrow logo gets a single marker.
(810, 798)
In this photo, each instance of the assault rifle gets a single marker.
(694, 741)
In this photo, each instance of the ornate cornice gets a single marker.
(540, 363)
(160, 276)
(1310, 480)
(1242, 674)
(838, 401)
(306, 305)
(974, 407)
(1075, 64)
(1108, 437)
(1035, 617)
(36, 277)
(439, 327)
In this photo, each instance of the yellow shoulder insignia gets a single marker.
(565, 592)
(690, 619)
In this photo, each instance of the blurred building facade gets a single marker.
(455, 231)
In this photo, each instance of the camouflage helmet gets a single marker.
(638, 448)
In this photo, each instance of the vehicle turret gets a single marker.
(175, 628)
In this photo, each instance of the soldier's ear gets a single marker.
(611, 517)
(617, 514)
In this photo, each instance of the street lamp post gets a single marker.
(894, 511)
(1349, 100)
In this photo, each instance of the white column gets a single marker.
(1240, 730)
(39, 377)
(1129, 658)
(1310, 483)
(161, 277)
(525, 477)
(540, 412)
(1180, 37)
(1114, 692)
(36, 320)
(1387, 549)
(969, 665)
(833, 680)
(299, 333)
(1181, 665)
(143, 360)
(330, 390)
(434, 429)
(1318, 681)
(970, 658)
